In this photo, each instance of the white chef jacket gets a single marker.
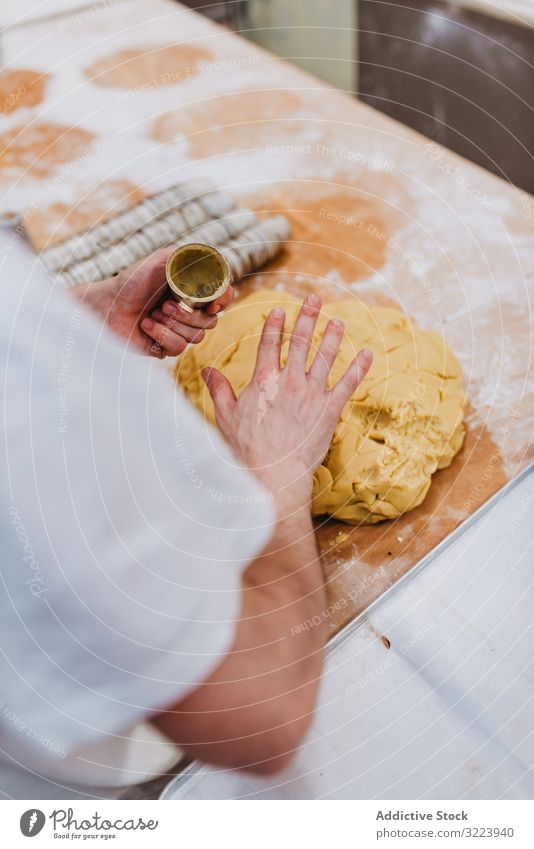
(125, 527)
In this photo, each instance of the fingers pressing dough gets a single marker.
(403, 423)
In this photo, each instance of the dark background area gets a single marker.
(463, 79)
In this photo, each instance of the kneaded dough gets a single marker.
(404, 421)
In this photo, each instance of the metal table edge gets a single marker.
(351, 627)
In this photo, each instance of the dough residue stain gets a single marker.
(21, 87)
(230, 122)
(57, 221)
(344, 229)
(151, 66)
(40, 148)
(403, 424)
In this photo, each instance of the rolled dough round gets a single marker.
(404, 422)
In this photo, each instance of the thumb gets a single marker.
(220, 389)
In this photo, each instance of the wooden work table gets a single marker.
(121, 99)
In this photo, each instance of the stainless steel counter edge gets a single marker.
(351, 627)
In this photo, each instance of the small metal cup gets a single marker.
(197, 274)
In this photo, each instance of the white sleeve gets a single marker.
(126, 526)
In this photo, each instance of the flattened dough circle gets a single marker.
(404, 422)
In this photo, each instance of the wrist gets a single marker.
(291, 494)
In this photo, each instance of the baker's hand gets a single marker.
(137, 306)
(283, 422)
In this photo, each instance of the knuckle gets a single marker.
(293, 383)
(317, 382)
(351, 380)
(265, 375)
(329, 352)
(299, 340)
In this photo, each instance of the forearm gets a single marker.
(283, 589)
(255, 708)
(286, 581)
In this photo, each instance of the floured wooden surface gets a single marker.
(376, 210)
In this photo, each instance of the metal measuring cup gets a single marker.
(197, 274)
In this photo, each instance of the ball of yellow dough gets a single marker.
(403, 423)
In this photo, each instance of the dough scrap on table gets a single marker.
(37, 150)
(21, 87)
(403, 423)
(149, 67)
